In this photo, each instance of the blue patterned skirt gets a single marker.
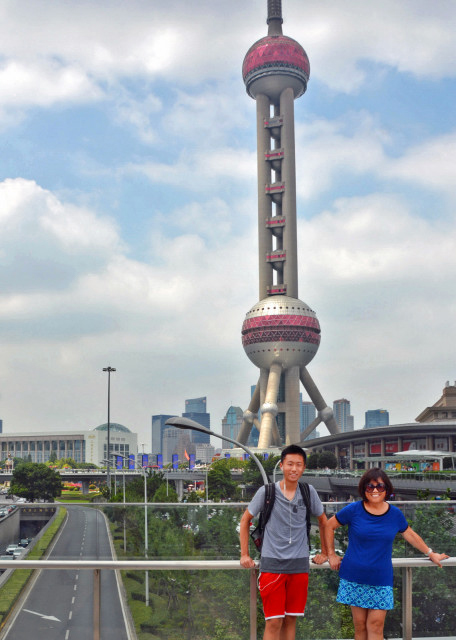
(365, 596)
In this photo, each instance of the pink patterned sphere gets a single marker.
(274, 63)
(280, 329)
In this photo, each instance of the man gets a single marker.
(284, 565)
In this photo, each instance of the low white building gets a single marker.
(81, 446)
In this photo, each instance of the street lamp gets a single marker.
(108, 475)
(186, 423)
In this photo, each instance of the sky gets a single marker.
(128, 213)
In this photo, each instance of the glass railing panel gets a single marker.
(434, 606)
(190, 604)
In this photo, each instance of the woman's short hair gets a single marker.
(374, 474)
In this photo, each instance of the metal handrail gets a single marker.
(182, 565)
(405, 564)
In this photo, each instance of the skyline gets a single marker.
(128, 232)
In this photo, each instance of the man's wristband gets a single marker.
(429, 551)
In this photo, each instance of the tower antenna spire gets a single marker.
(275, 19)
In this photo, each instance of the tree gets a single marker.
(164, 494)
(327, 459)
(252, 475)
(220, 483)
(313, 461)
(32, 480)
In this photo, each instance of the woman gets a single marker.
(366, 571)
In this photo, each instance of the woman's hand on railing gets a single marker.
(438, 557)
(334, 561)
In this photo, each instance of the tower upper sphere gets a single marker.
(274, 63)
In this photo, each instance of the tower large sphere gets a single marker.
(273, 64)
(282, 330)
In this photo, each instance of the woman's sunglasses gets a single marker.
(380, 487)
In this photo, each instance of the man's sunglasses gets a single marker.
(380, 487)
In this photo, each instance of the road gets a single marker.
(59, 606)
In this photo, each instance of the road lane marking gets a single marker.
(42, 615)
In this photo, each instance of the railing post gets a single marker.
(96, 604)
(407, 603)
(253, 604)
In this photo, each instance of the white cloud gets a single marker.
(431, 163)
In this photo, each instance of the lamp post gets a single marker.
(108, 456)
(186, 423)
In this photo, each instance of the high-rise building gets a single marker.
(195, 409)
(342, 415)
(204, 452)
(376, 418)
(308, 415)
(280, 333)
(158, 428)
(231, 425)
(170, 440)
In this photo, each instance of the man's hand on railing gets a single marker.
(247, 562)
(319, 558)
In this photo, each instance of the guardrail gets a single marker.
(406, 565)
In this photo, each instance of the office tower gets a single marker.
(170, 440)
(195, 409)
(342, 415)
(158, 428)
(308, 415)
(376, 418)
(280, 333)
(231, 425)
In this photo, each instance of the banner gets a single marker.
(246, 456)
(227, 455)
(119, 462)
(191, 462)
(144, 460)
(160, 460)
(175, 461)
(131, 461)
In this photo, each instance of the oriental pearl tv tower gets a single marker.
(280, 333)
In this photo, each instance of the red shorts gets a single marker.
(283, 594)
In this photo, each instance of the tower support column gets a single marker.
(290, 243)
(264, 201)
(292, 406)
(269, 407)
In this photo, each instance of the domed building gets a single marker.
(81, 445)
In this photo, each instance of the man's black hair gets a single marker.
(293, 449)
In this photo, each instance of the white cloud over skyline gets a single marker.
(128, 205)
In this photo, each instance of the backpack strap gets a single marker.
(305, 492)
(269, 498)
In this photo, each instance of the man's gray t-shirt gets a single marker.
(285, 548)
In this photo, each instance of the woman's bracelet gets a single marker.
(429, 551)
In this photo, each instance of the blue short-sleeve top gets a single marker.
(370, 543)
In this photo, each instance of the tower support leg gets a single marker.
(325, 413)
(249, 416)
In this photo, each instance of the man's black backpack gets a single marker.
(269, 497)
